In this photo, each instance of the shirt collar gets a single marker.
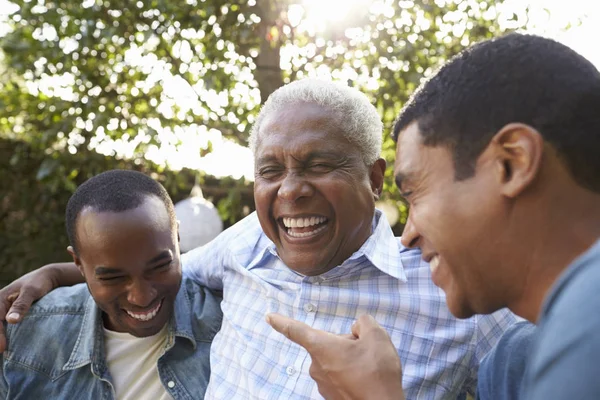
(382, 249)
(89, 346)
(90, 341)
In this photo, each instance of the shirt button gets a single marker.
(290, 371)
(171, 384)
(309, 307)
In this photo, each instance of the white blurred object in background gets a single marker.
(199, 221)
(389, 210)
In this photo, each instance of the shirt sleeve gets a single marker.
(205, 265)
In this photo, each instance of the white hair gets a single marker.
(358, 119)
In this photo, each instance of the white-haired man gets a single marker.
(317, 250)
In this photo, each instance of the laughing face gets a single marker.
(314, 194)
(461, 226)
(130, 261)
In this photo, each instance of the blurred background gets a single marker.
(171, 88)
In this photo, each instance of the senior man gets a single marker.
(498, 156)
(318, 251)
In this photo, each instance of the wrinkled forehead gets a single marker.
(284, 116)
(302, 127)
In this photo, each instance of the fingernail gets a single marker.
(13, 315)
(268, 318)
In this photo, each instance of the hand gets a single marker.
(16, 298)
(364, 365)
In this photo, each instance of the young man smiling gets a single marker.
(136, 331)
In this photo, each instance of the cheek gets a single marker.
(264, 194)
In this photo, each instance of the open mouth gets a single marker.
(301, 227)
(146, 315)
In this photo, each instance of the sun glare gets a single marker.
(320, 13)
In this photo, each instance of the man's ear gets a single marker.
(76, 260)
(376, 176)
(520, 151)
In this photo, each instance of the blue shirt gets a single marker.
(439, 353)
(502, 371)
(565, 356)
(57, 351)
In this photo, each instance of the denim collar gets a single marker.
(89, 347)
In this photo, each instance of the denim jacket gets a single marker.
(57, 351)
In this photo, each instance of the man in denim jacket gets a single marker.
(136, 330)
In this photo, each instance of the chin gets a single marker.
(460, 309)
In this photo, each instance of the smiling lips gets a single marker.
(304, 226)
(145, 316)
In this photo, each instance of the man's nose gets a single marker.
(410, 235)
(294, 187)
(141, 293)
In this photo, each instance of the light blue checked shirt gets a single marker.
(249, 360)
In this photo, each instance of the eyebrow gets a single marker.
(306, 157)
(102, 270)
(266, 159)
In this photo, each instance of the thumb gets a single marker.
(298, 332)
(19, 307)
(366, 325)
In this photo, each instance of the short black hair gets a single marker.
(116, 190)
(515, 78)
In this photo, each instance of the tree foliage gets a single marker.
(83, 77)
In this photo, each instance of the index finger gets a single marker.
(298, 332)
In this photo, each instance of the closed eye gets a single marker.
(320, 167)
(111, 278)
(163, 266)
(269, 172)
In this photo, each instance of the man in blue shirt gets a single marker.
(497, 155)
(135, 330)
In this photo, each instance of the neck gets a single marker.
(558, 233)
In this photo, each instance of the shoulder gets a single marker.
(567, 345)
(47, 316)
(577, 288)
(247, 228)
(205, 307)
(512, 347)
(570, 311)
(44, 339)
(69, 299)
(501, 372)
(240, 238)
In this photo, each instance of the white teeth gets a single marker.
(303, 222)
(304, 234)
(434, 263)
(145, 316)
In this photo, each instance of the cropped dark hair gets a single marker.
(116, 190)
(515, 78)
